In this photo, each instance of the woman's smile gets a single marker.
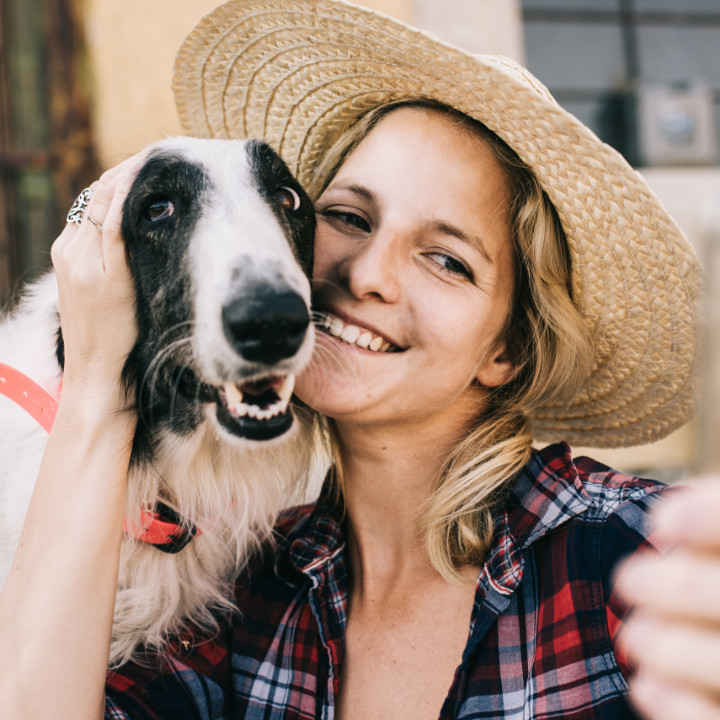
(356, 334)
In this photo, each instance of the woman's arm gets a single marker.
(673, 634)
(57, 605)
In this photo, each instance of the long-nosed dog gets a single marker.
(219, 240)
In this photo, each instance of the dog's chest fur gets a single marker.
(219, 236)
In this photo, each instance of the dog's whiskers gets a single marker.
(150, 379)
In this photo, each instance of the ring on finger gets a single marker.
(95, 223)
(77, 211)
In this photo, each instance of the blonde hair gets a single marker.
(544, 333)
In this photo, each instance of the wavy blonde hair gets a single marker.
(544, 332)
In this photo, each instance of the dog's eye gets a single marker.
(159, 210)
(288, 198)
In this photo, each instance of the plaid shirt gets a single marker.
(541, 637)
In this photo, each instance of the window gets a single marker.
(598, 57)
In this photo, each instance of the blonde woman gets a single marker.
(486, 273)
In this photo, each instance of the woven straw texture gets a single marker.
(298, 72)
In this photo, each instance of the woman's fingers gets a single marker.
(672, 635)
(96, 292)
(113, 244)
(682, 583)
(691, 515)
(659, 699)
(105, 209)
(683, 653)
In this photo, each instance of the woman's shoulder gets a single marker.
(597, 485)
(555, 489)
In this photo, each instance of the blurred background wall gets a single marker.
(85, 83)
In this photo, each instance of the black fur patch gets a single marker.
(157, 254)
(271, 173)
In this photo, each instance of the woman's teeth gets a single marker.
(354, 335)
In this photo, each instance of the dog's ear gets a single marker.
(272, 173)
(306, 241)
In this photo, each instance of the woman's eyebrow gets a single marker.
(473, 240)
(359, 190)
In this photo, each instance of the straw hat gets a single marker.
(299, 72)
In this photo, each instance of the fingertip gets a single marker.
(691, 514)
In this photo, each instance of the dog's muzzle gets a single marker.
(267, 326)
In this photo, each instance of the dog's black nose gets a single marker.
(266, 326)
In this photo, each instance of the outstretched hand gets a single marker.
(96, 293)
(673, 633)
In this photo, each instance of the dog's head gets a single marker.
(219, 238)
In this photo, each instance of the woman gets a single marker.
(447, 569)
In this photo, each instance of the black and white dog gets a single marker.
(219, 239)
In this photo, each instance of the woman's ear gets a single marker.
(499, 369)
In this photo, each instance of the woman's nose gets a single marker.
(374, 268)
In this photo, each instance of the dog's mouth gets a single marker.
(256, 409)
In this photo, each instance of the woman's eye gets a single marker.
(350, 219)
(288, 198)
(159, 210)
(451, 265)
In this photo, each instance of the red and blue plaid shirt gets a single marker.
(541, 637)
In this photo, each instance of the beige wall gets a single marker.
(488, 27)
(132, 46)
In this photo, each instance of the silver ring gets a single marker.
(79, 206)
(95, 223)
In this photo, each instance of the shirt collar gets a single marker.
(313, 535)
(547, 493)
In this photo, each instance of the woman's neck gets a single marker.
(387, 478)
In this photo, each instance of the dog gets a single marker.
(219, 239)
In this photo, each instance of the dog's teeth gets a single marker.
(376, 343)
(364, 339)
(286, 389)
(233, 395)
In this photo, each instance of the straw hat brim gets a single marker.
(299, 72)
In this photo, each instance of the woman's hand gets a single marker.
(56, 608)
(673, 633)
(97, 312)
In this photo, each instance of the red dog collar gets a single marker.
(162, 527)
(28, 395)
